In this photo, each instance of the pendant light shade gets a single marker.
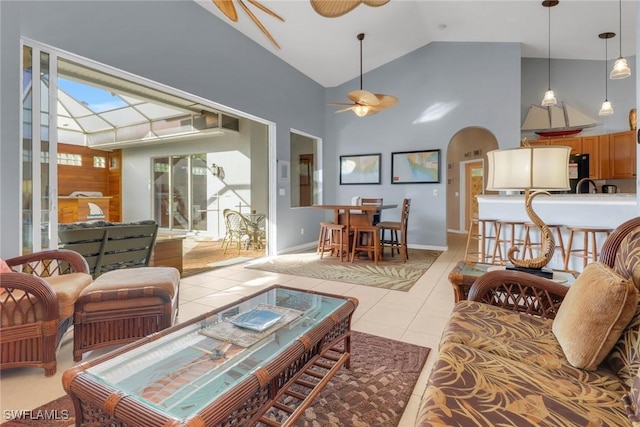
(549, 95)
(549, 98)
(621, 69)
(607, 108)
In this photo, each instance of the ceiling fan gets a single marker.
(335, 8)
(229, 10)
(366, 103)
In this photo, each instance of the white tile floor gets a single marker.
(417, 316)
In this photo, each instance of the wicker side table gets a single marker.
(465, 273)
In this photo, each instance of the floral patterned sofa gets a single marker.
(526, 351)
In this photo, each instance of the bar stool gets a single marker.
(529, 244)
(366, 238)
(481, 232)
(508, 229)
(588, 251)
(331, 238)
(323, 238)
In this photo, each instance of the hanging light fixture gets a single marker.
(549, 96)
(607, 108)
(620, 68)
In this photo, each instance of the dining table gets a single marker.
(354, 215)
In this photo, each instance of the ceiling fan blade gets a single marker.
(385, 101)
(227, 7)
(334, 8)
(265, 9)
(256, 21)
(375, 3)
(342, 104)
(346, 109)
(363, 97)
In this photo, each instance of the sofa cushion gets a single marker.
(627, 260)
(67, 288)
(593, 315)
(518, 337)
(624, 359)
(471, 387)
(631, 401)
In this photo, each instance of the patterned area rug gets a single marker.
(390, 273)
(374, 392)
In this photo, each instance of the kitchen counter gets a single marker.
(605, 210)
(587, 210)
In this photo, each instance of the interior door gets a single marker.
(306, 179)
(39, 151)
(474, 186)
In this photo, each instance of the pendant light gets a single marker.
(620, 68)
(549, 96)
(607, 108)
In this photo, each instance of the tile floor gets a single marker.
(417, 317)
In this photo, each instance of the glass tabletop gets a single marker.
(478, 269)
(182, 372)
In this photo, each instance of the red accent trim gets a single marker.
(554, 134)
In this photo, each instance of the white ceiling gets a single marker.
(327, 50)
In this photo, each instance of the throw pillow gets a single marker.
(593, 314)
(4, 267)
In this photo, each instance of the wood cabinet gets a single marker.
(597, 146)
(622, 152)
(574, 143)
(78, 209)
(611, 156)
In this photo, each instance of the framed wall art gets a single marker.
(360, 169)
(415, 167)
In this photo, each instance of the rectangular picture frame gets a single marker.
(360, 169)
(415, 167)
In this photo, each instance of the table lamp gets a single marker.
(534, 170)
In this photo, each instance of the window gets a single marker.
(99, 162)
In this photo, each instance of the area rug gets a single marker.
(390, 273)
(374, 392)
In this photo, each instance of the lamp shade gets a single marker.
(529, 168)
(620, 69)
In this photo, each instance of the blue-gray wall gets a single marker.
(176, 43)
(581, 84)
(179, 44)
(456, 81)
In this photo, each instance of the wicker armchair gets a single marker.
(36, 306)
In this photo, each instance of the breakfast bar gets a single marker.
(578, 210)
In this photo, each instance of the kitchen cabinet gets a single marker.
(622, 152)
(597, 146)
(574, 143)
(611, 156)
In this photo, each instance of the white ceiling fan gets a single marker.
(365, 103)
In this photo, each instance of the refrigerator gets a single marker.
(578, 169)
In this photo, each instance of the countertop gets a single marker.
(587, 198)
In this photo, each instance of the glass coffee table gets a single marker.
(260, 360)
(465, 273)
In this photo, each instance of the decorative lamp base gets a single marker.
(545, 272)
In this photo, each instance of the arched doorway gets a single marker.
(466, 155)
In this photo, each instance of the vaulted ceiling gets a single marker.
(326, 49)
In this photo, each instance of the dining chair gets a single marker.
(395, 227)
(374, 202)
(241, 230)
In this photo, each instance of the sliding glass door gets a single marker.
(180, 192)
(39, 151)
